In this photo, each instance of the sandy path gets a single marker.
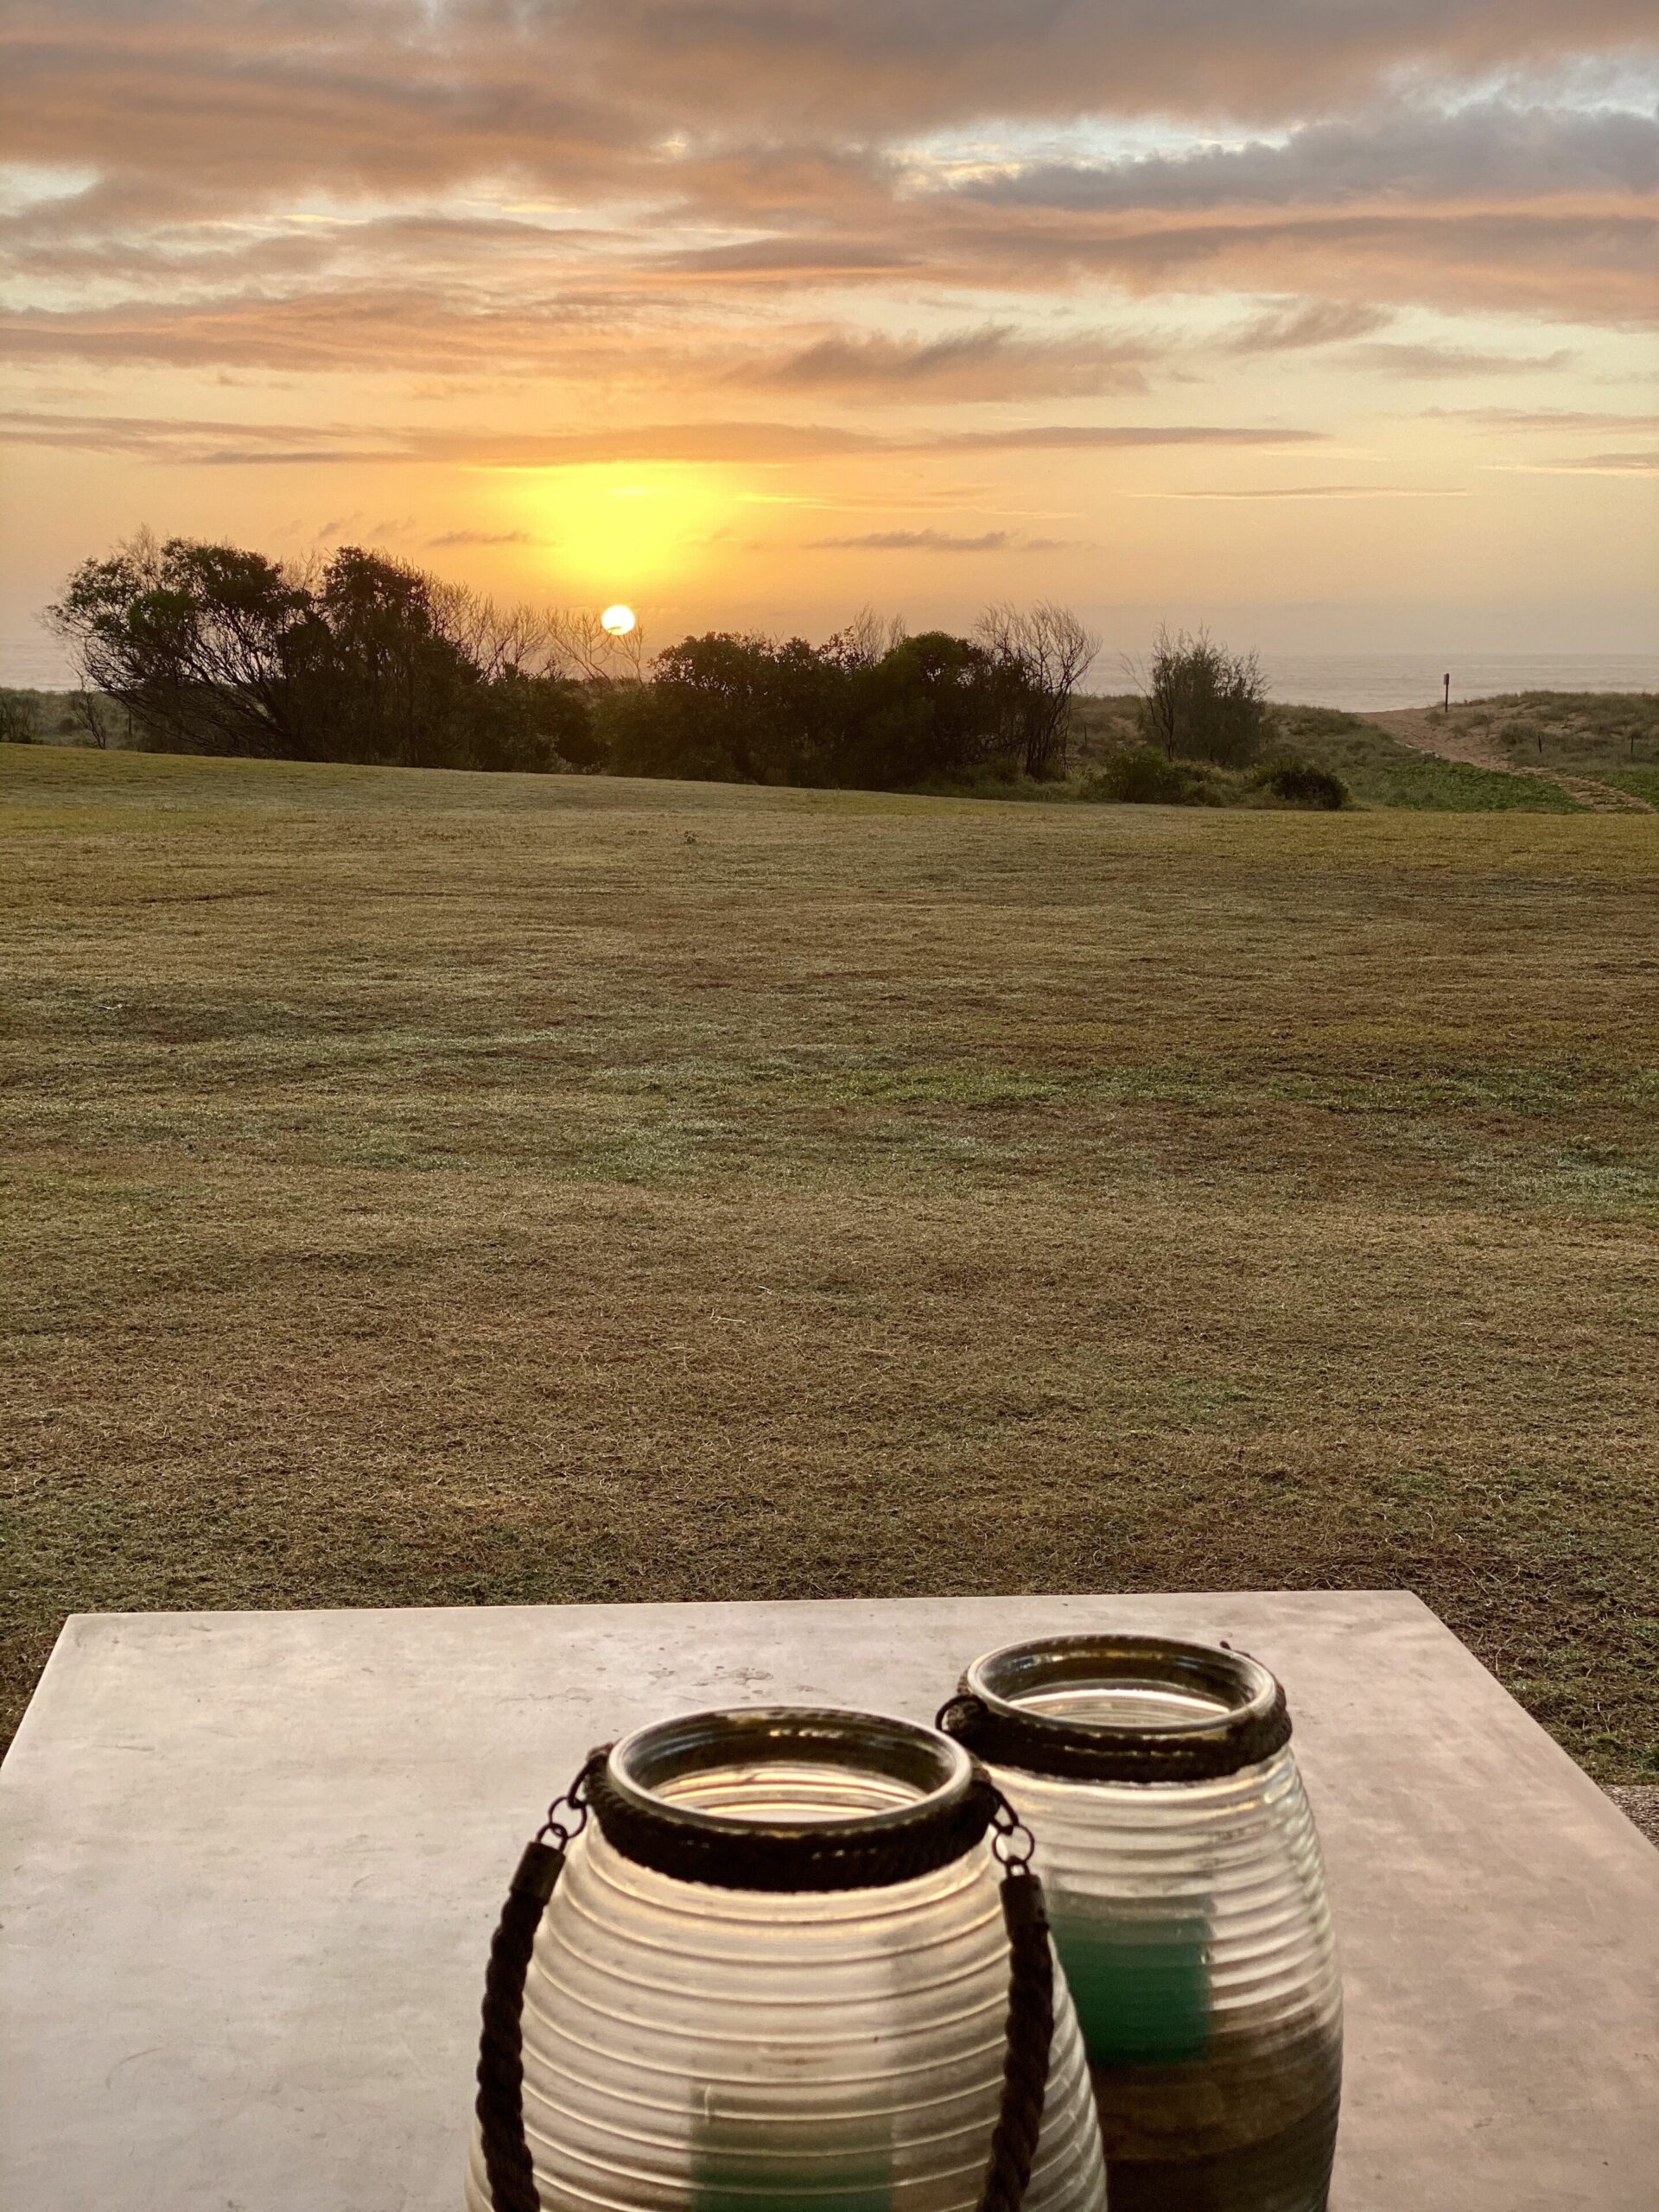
(1427, 731)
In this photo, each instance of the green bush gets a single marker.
(1298, 782)
(1204, 703)
(213, 649)
(20, 718)
(1142, 776)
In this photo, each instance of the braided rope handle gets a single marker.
(500, 2107)
(1030, 2039)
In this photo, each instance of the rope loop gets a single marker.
(960, 1715)
(1030, 2039)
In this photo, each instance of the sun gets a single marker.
(617, 620)
(607, 524)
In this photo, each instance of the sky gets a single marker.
(1331, 325)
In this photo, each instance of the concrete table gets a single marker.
(251, 1861)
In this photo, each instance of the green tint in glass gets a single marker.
(1141, 1986)
(738, 2166)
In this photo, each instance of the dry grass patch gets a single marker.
(438, 1188)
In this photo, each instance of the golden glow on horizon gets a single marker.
(651, 526)
(617, 620)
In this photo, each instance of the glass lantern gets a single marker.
(1186, 1895)
(698, 2029)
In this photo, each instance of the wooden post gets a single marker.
(1446, 703)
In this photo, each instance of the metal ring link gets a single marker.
(574, 1800)
(1013, 1842)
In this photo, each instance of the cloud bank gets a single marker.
(974, 268)
(591, 192)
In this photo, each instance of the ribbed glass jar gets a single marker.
(736, 2050)
(1186, 1895)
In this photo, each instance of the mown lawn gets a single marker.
(440, 1188)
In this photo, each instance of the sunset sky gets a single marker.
(1330, 323)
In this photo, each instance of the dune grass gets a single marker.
(1606, 737)
(444, 1188)
(1581, 732)
(1378, 769)
(1382, 772)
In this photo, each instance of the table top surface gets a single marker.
(252, 1862)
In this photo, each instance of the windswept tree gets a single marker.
(208, 648)
(1043, 652)
(732, 710)
(930, 706)
(384, 662)
(866, 639)
(211, 649)
(1199, 702)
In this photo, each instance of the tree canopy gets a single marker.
(210, 648)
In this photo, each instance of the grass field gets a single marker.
(448, 1188)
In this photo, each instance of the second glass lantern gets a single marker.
(1185, 1890)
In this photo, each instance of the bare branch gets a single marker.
(1046, 651)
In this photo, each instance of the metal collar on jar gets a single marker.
(1246, 1720)
(954, 1806)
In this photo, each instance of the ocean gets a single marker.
(1364, 683)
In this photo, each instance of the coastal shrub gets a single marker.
(211, 649)
(1202, 702)
(1300, 782)
(20, 718)
(1142, 776)
(868, 710)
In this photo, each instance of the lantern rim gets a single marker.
(1236, 1713)
(947, 1811)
